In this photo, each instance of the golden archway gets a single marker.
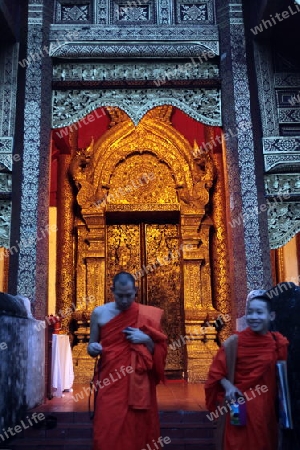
(147, 173)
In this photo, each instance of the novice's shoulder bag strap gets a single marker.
(230, 346)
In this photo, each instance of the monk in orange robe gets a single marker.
(258, 350)
(133, 351)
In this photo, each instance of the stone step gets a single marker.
(51, 444)
(86, 444)
(188, 430)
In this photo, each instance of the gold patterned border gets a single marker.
(143, 207)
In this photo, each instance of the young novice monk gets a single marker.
(258, 349)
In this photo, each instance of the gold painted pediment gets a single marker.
(151, 163)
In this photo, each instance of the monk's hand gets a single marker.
(136, 336)
(231, 391)
(94, 349)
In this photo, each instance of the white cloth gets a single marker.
(62, 374)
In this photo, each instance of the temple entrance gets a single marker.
(144, 205)
(151, 252)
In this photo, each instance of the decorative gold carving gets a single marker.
(219, 243)
(83, 364)
(151, 253)
(161, 113)
(81, 251)
(144, 207)
(86, 191)
(123, 252)
(151, 145)
(111, 177)
(164, 284)
(195, 226)
(195, 199)
(201, 347)
(117, 115)
(280, 265)
(192, 301)
(142, 179)
(95, 281)
(65, 225)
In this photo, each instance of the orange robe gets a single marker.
(255, 365)
(126, 413)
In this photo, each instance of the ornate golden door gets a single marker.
(151, 253)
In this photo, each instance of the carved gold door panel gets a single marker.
(151, 253)
(163, 287)
(123, 252)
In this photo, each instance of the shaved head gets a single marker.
(264, 298)
(123, 278)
